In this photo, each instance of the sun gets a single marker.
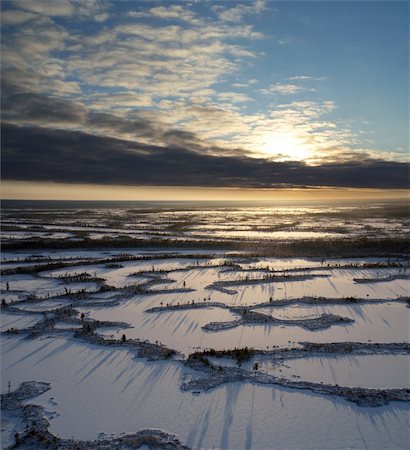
(286, 146)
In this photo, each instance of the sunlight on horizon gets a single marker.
(20, 190)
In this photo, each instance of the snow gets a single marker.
(286, 235)
(42, 306)
(369, 371)
(100, 391)
(66, 326)
(119, 277)
(181, 329)
(340, 284)
(116, 393)
(93, 254)
(37, 286)
(9, 426)
(10, 320)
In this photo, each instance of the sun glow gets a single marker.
(285, 146)
(26, 190)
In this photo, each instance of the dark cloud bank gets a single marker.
(33, 153)
(39, 144)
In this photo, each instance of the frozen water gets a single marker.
(9, 426)
(368, 371)
(99, 391)
(181, 329)
(116, 393)
(10, 320)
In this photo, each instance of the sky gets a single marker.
(145, 99)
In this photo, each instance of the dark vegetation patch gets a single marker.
(337, 247)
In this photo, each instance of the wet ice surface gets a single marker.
(117, 393)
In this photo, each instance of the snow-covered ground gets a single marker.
(9, 426)
(100, 389)
(97, 390)
(369, 371)
(181, 329)
(10, 320)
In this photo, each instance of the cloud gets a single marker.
(29, 58)
(306, 77)
(291, 130)
(162, 76)
(238, 12)
(172, 12)
(159, 60)
(64, 8)
(285, 89)
(56, 8)
(32, 109)
(284, 41)
(102, 17)
(12, 18)
(235, 97)
(38, 154)
(119, 100)
(151, 59)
